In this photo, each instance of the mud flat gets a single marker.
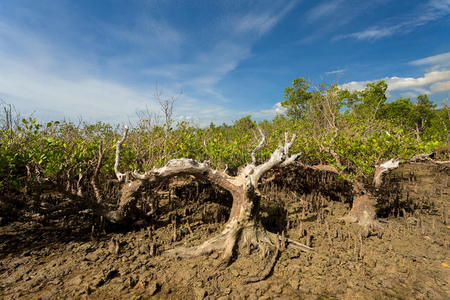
(409, 258)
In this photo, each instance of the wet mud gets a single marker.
(408, 258)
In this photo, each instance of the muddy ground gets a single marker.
(408, 258)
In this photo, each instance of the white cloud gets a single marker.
(441, 60)
(330, 16)
(355, 85)
(43, 76)
(54, 97)
(322, 10)
(431, 82)
(260, 22)
(422, 15)
(90, 97)
(257, 23)
(409, 94)
(276, 109)
(435, 80)
(374, 33)
(340, 71)
(402, 83)
(440, 87)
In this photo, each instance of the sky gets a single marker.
(103, 60)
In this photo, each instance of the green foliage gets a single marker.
(298, 98)
(350, 130)
(356, 130)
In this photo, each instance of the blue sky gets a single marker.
(101, 60)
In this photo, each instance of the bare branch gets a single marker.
(184, 166)
(382, 169)
(166, 106)
(263, 139)
(288, 145)
(290, 160)
(392, 164)
(120, 176)
(280, 155)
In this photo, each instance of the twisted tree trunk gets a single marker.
(243, 228)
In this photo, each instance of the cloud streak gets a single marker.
(340, 71)
(424, 14)
(322, 10)
(440, 60)
(44, 76)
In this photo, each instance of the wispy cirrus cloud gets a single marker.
(263, 21)
(323, 9)
(328, 17)
(422, 15)
(339, 71)
(238, 31)
(439, 60)
(113, 78)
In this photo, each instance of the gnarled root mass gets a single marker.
(238, 237)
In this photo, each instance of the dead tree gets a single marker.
(363, 209)
(243, 228)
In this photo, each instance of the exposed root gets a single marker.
(230, 244)
(225, 241)
(217, 243)
(364, 220)
(363, 209)
(291, 243)
(299, 246)
(363, 213)
(268, 267)
(236, 235)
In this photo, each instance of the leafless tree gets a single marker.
(166, 107)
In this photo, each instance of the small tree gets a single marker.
(166, 107)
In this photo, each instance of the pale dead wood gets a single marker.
(120, 176)
(261, 143)
(243, 225)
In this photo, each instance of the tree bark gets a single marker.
(363, 208)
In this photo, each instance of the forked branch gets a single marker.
(280, 157)
(120, 176)
(261, 143)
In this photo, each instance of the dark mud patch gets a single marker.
(407, 259)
